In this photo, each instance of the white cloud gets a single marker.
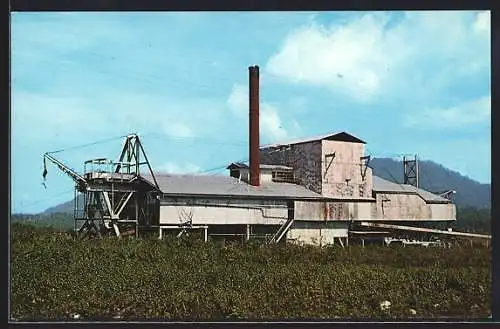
(296, 128)
(38, 116)
(174, 168)
(238, 100)
(271, 124)
(482, 23)
(177, 130)
(72, 120)
(80, 31)
(477, 111)
(270, 121)
(365, 56)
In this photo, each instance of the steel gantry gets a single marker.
(111, 197)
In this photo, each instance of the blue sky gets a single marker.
(405, 82)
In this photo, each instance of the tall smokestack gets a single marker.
(254, 125)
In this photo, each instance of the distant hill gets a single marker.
(433, 177)
(66, 207)
(436, 178)
(58, 221)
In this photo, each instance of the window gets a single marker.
(283, 176)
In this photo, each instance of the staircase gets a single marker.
(282, 231)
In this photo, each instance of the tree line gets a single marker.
(469, 219)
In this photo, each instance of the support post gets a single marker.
(411, 176)
(137, 160)
(363, 242)
(248, 232)
(75, 215)
(117, 231)
(254, 155)
(136, 215)
(206, 233)
(160, 233)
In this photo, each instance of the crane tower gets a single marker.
(117, 199)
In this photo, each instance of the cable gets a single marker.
(146, 77)
(141, 75)
(87, 145)
(193, 138)
(46, 199)
(224, 167)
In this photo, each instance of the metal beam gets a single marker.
(426, 230)
(117, 231)
(124, 204)
(108, 204)
(149, 165)
(332, 156)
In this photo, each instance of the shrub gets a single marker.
(54, 276)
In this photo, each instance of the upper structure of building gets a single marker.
(325, 167)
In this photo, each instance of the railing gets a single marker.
(282, 231)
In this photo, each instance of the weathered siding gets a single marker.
(338, 210)
(305, 158)
(309, 210)
(365, 210)
(343, 174)
(222, 211)
(443, 211)
(341, 211)
(366, 187)
(394, 206)
(317, 171)
(266, 176)
(317, 233)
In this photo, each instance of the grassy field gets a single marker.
(54, 277)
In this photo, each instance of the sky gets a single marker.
(404, 82)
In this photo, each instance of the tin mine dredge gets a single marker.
(318, 190)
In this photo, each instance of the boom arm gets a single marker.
(79, 179)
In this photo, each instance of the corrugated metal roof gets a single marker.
(342, 136)
(382, 185)
(217, 185)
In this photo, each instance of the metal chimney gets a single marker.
(254, 125)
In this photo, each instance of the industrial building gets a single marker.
(312, 190)
(317, 190)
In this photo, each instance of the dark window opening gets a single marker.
(283, 176)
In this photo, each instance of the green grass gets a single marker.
(54, 276)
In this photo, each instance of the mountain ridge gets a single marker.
(436, 178)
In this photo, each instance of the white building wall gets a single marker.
(364, 210)
(223, 211)
(317, 233)
(346, 165)
(443, 211)
(266, 176)
(333, 210)
(392, 206)
(304, 210)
